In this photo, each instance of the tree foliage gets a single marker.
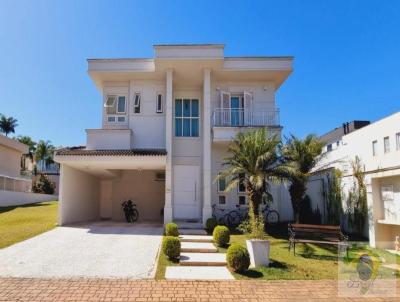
(7, 124)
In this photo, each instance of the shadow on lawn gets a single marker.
(29, 205)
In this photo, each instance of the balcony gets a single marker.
(244, 118)
(228, 122)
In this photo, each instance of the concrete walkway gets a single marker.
(150, 290)
(103, 250)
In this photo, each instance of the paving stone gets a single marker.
(203, 259)
(196, 238)
(198, 273)
(198, 247)
(192, 232)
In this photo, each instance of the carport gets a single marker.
(94, 183)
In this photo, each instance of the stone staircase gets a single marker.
(200, 259)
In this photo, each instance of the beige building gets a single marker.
(166, 125)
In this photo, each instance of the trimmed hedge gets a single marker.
(171, 246)
(238, 258)
(221, 235)
(171, 229)
(211, 223)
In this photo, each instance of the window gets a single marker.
(398, 141)
(329, 148)
(386, 144)
(221, 199)
(136, 103)
(121, 104)
(186, 118)
(375, 148)
(110, 104)
(242, 200)
(159, 103)
(241, 186)
(221, 185)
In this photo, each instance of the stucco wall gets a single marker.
(143, 189)
(79, 196)
(10, 161)
(9, 198)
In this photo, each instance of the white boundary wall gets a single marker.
(10, 198)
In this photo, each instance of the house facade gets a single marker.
(166, 125)
(377, 145)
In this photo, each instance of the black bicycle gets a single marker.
(271, 217)
(222, 218)
(130, 211)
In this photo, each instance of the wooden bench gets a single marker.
(316, 234)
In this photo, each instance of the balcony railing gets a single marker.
(244, 118)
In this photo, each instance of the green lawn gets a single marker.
(18, 223)
(311, 262)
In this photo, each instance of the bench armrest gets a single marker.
(291, 232)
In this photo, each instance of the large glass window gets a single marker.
(121, 104)
(187, 117)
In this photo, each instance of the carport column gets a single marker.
(168, 144)
(207, 145)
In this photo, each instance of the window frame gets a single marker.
(138, 104)
(238, 186)
(386, 148)
(219, 200)
(117, 105)
(375, 148)
(159, 109)
(190, 118)
(397, 141)
(245, 200)
(218, 185)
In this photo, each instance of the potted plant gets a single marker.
(253, 163)
(258, 245)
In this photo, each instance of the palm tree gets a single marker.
(254, 161)
(27, 140)
(7, 124)
(44, 153)
(300, 157)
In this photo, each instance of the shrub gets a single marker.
(221, 235)
(171, 247)
(211, 223)
(43, 185)
(171, 229)
(238, 258)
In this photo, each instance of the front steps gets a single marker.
(203, 259)
(199, 259)
(198, 247)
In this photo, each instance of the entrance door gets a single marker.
(186, 194)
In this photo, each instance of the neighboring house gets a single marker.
(11, 152)
(378, 147)
(166, 125)
(52, 171)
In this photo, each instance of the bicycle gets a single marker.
(271, 217)
(221, 219)
(130, 211)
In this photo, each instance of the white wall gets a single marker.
(9, 198)
(108, 139)
(10, 161)
(79, 196)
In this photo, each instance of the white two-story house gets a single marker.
(166, 125)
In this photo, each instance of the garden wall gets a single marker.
(10, 198)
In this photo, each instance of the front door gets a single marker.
(186, 193)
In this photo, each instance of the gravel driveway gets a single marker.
(103, 249)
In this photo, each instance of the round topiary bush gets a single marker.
(238, 258)
(171, 247)
(171, 229)
(221, 235)
(211, 223)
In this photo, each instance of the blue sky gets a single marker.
(346, 55)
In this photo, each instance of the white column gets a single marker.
(168, 144)
(207, 145)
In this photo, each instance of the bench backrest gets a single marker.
(327, 232)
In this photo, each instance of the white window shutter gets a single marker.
(225, 100)
(248, 112)
(223, 116)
